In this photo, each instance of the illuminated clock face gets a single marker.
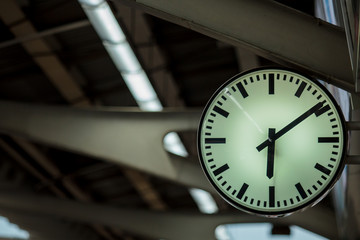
(272, 141)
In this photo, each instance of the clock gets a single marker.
(272, 141)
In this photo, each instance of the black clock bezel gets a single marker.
(318, 196)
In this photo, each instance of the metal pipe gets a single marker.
(353, 125)
(353, 159)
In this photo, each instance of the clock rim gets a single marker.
(318, 197)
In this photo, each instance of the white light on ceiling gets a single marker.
(123, 57)
(125, 60)
(151, 105)
(103, 20)
(92, 3)
(204, 200)
(139, 86)
(120, 51)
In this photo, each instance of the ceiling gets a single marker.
(50, 55)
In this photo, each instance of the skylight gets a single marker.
(11, 231)
(204, 200)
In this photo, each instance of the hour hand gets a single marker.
(270, 154)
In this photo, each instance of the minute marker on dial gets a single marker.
(328, 140)
(221, 169)
(271, 84)
(301, 190)
(300, 90)
(221, 111)
(242, 191)
(271, 196)
(322, 110)
(322, 169)
(215, 140)
(242, 90)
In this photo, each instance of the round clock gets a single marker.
(272, 141)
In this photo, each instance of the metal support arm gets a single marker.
(353, 126)
(128, 137)
(267, 28)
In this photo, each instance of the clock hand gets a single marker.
(270, 154)
(290, 126)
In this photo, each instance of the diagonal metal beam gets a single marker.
(34, 171)
(55, 172)
(50, 64)
(268, 28)
(130, 138)
(155, 224)
(59, 75)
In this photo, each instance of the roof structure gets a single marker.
(80, 160)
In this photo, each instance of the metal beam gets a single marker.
(31, 40)
(55, 172)
(155, 224)
(12, 15)
(268, 28)
(26, 165)
(351, 12)
(45, 33)
(130, 138)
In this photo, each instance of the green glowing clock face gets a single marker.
(272, 141)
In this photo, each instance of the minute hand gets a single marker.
(288, 127)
